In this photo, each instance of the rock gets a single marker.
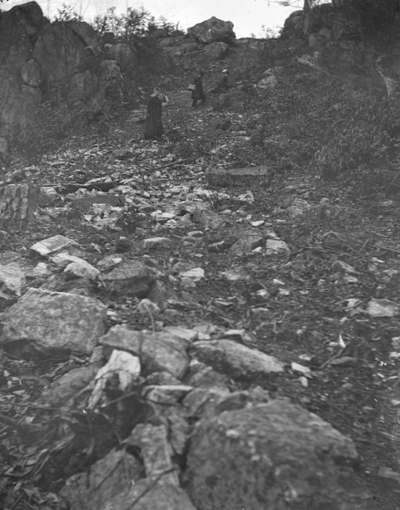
(157, 242)
(298, 207)
(157, 351)
(268, 82)
(235, 359)
(382, 308)
(109, 261)
(155, 451)
(81, 269)
(216, 51)
(196, 274)
(247, 242)
(55, 320)
(274, 455)
(213, 30)
(122, 245)
(131, 277)
(121, 370)
(52, 245)
(275, 247)
(12, 281)
(202, 402)
(47, 196)
(189, 335)
(166, 394)
(70, 384)
(149, 494)
(226, 177)
(107, 478)
(204, 376)
(18, 204)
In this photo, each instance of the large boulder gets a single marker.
(213, 30)
(216, 51)
(276, 456)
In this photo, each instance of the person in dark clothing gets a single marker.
(198, 93)
(153, 127)
(223, 85)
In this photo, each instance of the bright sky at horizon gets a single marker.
(248, 16)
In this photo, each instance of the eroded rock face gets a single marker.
(276, 456)
(40, 59)
(213, 30)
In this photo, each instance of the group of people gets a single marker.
(153, 127)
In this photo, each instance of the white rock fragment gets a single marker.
(382, 308)
(12, 280)
(121, 366)
(274, 246)
(157, 242)
(196, 274)
(52, 244)
(82, 269)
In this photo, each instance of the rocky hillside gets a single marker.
(208, 321)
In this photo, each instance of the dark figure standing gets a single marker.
(153, 127)
(198, 93)
(223, 85)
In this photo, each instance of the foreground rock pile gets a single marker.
(157, 413)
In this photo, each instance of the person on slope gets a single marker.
(198, 93)
(153, 127)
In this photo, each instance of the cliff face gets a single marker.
(46, 61)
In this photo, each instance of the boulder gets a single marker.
(236, 360)
(55, 320)
(213, 30)
(216, 51)
(294, 25)
(276, 456)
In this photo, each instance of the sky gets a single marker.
(248, 16)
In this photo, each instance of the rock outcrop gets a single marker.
(213, 30)
(43, 61)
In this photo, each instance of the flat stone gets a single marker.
(275, 247)
(52, 244)
(131, 277)
(107, 478)
(235, 359)
(157, 351)
(166, 394)
(274, 455)
(81, 269)
(225, 177)
(55, 320)
(157, 242)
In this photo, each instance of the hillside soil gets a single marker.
(309, 306)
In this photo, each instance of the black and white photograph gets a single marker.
(200, 255)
